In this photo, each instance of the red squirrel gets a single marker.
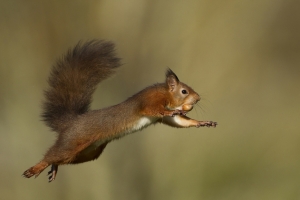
(82, 133)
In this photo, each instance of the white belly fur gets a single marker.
(142, 123)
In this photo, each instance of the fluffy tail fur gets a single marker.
(74, 79)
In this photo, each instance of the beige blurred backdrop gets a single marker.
(242, 57)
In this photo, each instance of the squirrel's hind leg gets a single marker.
(36, 169)
(53, 172)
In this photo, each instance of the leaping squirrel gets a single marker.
(82, 133)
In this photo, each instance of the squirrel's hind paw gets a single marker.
(35, 170)
(29, 173)
(52, 173)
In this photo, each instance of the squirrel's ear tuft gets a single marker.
(171, 73)
(171, 79)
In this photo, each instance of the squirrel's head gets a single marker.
(183, 96)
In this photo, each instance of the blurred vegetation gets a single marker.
(241, 56)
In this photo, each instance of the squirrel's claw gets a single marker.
(52, 173)
(207, 124)
(178, 112)
(35, 170)
(28, 173)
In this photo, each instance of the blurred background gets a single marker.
(242, 57)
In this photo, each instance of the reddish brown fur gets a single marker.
(74, 79)
(84, 134)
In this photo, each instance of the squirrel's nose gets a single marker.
(198, 98)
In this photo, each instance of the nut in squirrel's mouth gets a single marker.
(187, 107)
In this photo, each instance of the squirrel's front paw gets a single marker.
(207, 124)
(172, 113)
(178, 112)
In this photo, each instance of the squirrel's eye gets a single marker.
(184, 92)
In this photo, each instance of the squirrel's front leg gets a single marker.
(172, 113)
(182, 121)
(160, 111)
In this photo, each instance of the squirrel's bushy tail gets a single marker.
(73, 80)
